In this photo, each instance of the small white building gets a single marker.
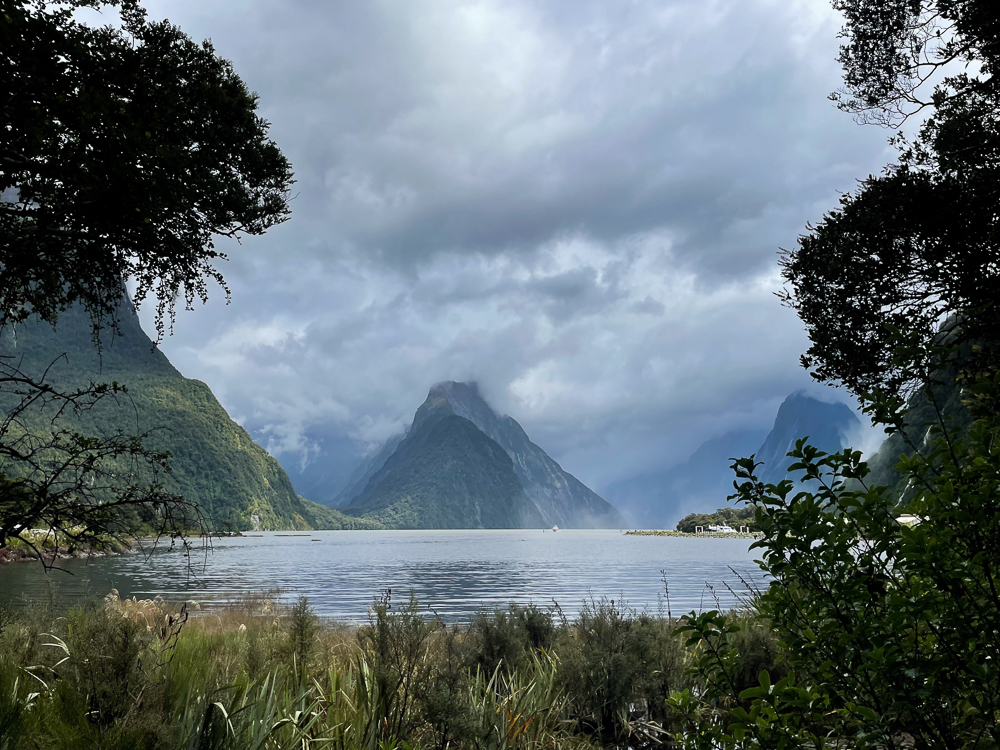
(724, 528)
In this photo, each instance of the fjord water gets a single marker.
(452, 573)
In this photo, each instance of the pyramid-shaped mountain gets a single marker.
(460, 465)
(826, 424)
(215, 464)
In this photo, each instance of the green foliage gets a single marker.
(734, 517)
(618, 665)
(122, 673)
(395, 647)
(508, 639)
(891, 626)
(302, 628)
(214, 463)
(141, 114)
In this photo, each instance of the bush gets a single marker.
(618, 665)
(113, 680)
(302, 628)
(394, 646)
(507, 638)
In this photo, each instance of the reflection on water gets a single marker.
(452, 573)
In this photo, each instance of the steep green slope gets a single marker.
(449, 475)
(215, 462)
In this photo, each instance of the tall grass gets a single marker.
(119, 673)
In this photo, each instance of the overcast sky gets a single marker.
(577, 204)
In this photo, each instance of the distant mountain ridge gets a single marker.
(702, 483)
(659, 499)
(461, 465)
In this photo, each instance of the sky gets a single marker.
(579, 205)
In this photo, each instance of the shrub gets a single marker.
(617, 665)
(506, 638)
(394, 646)
(302, 628)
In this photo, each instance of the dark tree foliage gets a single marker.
(913, 253)
(894, 48)
(888, 604)
(124, 152)
(911, 256)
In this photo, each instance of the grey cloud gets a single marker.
(414, 132)
(576, 203)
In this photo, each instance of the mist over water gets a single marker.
(452, 573)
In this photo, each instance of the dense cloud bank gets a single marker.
(577, 204)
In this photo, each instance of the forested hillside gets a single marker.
(215, 462)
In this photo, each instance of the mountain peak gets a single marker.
(464, 399)
(461, 399)
(456, 389)
(402, 476)
(800, 415)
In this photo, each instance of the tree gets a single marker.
(888, 605)
(888, 625)
(125, 150)
(896, 50)
(913, 253)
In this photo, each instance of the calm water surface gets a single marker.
(452, 573)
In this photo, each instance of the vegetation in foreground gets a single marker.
(140, 674)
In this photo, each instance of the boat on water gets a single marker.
(555, 528)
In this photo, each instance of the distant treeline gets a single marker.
(734, 517)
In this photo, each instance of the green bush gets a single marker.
(117, 674)
(394, 647)
(507, 638)
(302, 628)
(617, 665)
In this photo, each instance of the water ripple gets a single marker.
(452, 573)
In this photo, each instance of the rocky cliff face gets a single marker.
(554, 496)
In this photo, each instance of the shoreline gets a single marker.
(26, 554)
(692, 535)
